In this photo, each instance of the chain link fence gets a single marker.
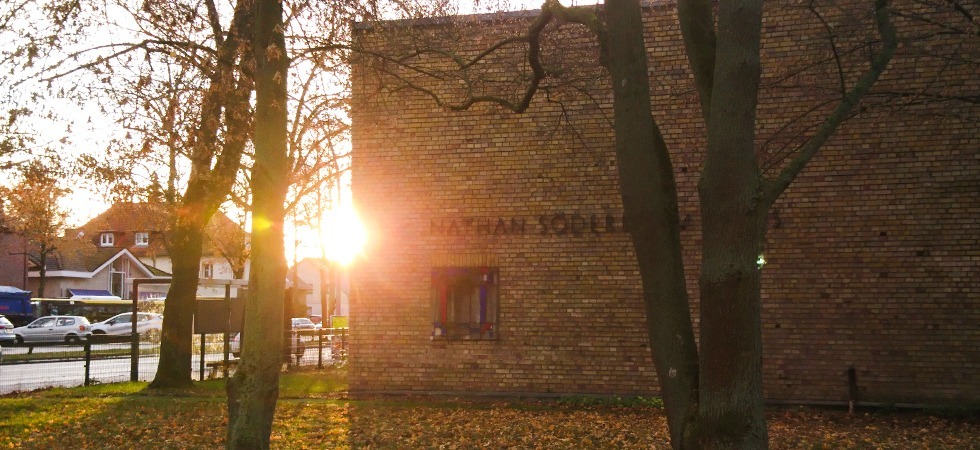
(111, 359)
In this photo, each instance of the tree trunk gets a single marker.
(325, 310)
(253, 392)
(42, 271)
(733, 209)
(649, 195)
(731, 409)
(174, 369)
(334, 288)
(212, 175)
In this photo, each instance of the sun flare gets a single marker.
(344, 235)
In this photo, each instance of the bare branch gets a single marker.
(958, 7)
(215, 23)
(149, 45)
(551, 10)
(889, 43)
(833, 47)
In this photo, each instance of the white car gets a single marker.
(122, 324)
(302, 323)
(297, 342)
(54, 329)
(6, 330)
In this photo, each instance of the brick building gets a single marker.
(498, 260)
(13, 256)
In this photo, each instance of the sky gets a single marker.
(92, 130)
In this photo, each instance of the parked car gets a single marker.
(149, 324)
(302, 323)
(235, 345)
(6, 330)
(54, 329)
(296, 342)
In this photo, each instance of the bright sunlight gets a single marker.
(344, 235)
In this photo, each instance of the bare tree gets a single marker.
(224, 113)
(176, 76)
(231, 242)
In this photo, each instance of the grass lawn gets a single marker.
(315, 412)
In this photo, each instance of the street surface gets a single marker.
(15, 377)
(36, 375)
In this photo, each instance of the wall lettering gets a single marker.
(556, 224)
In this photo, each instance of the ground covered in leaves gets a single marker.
(314, 412)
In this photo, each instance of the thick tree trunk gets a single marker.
(213, 171)
(731, 410)
(325, 311)
(650, 201)
(733, 209)
(253, 392)
(174, 370)
(334, 290)
(42, 272)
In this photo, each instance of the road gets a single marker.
(43, 374)
(36, 375)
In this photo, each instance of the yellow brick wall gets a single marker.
(872, 255)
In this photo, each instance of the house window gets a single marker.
(142, 239)
(207, 270)
(464, 303)
(107, 239)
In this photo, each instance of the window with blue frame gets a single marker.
(464, 303)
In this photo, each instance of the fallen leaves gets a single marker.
(315, 420)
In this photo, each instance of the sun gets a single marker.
(344, 235)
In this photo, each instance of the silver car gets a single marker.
(302, 323)
(6, 330)
(296, 342)
(54, 329)
(122, 324)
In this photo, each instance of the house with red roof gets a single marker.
(109, 271)
(129, 241)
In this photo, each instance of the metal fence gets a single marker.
(111, 359)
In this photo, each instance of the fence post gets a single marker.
(319, 348)
(289, 350)
(343, 343)
(227, 352)
(134, 352)
(227, 345)
(88, 359)
(203, 351)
